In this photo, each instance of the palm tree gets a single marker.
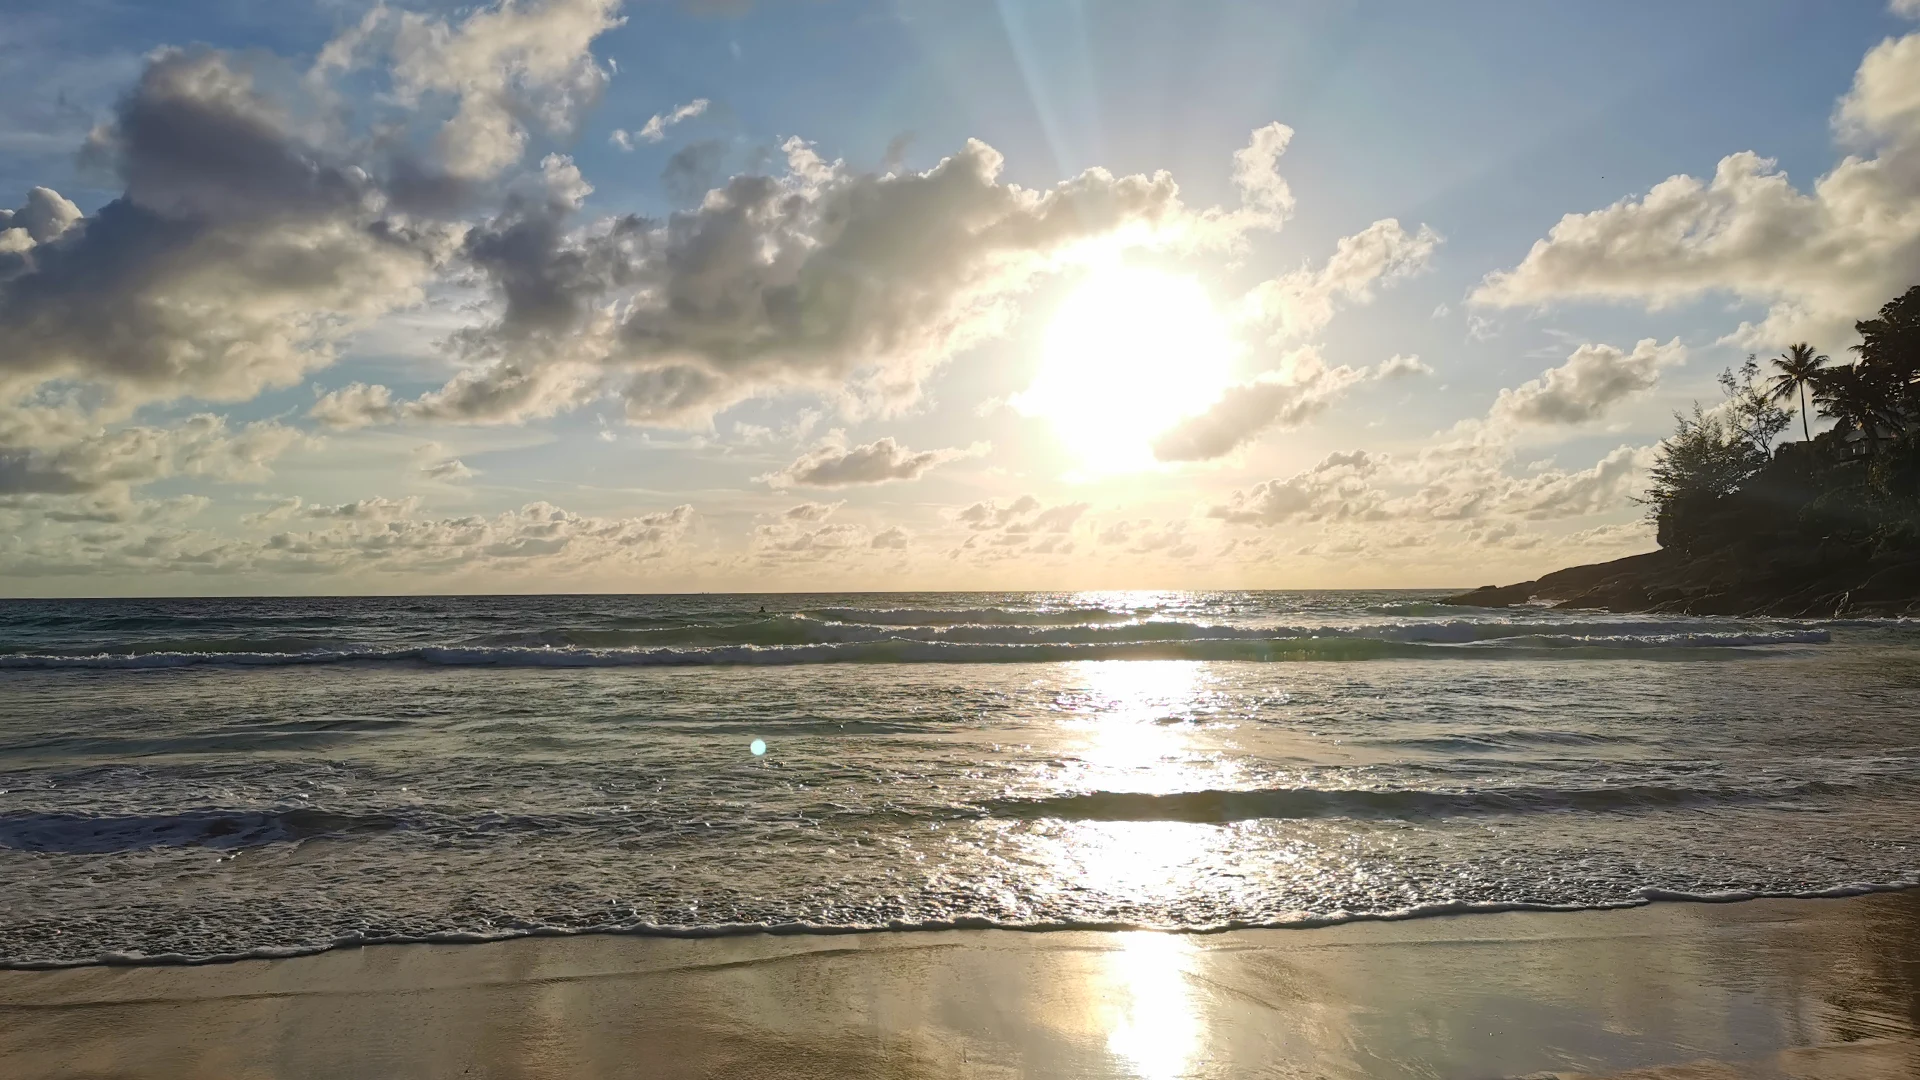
(1852, 396)
(1799, 367)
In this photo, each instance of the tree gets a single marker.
(1798, 368)
(1855, 398)
(1710, 455)
(1890, 355)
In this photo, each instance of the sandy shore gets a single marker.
(1810, 988)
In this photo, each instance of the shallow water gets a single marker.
(204, 778)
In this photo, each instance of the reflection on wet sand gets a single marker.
(1769, 988)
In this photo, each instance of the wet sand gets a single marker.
(1803, 988)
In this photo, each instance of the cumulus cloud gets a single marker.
(655, 129)
(892, 539)
(1025, 525)
(822, 278)
(504, 66)
(812, 511)
(94, 460)
(1302, 303)
(362, 538)
(256, 226)
(239, 253)
(1403, 366)
(1909, 8)
(1818, 258)
(1336, 489)
(373, 509)
(1304, 387)
(833, 463)
(1146, 536)
(1558, 494)
(1593, 380)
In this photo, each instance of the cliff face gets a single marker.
(1818, 582)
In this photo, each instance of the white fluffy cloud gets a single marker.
(1302, 303)
(1819, 258)
(503, 65)
(834, 463)
(1593, 380)
(1336, 489)
(655, 129)
(1303, 388)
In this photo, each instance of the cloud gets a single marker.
(1908, 8)
(1303, 388)
(505, 66)
(93, 460)
(257, 226)
(373, 509)
(1302, 303)
(892, 539)
(239, 253)
(1818, 259)
(822, 278)
(1336, 489)
(369, 537)
(835, 464)
(1256, 171)
(812, 511)
(1557, 494)
(450, 470)
(1025, 526)
(1145, 536)
(1594, 378)
(655, 129)
(693, 170)
(1402, 367)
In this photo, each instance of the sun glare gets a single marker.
(1130, 353)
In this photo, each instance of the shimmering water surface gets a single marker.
(205, 778)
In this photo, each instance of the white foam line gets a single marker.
(1640, 898)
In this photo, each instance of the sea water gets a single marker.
(195, 779)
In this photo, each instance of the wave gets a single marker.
(810, 639)
(898, 651)
(86, 834)
(1305, 921)
(1217, 806)
(977, 616)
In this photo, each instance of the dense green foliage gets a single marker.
(1722, 481)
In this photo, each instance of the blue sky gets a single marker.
(895, 452)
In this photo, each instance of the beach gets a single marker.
(1763, 988)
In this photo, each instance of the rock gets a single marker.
(1825, 582)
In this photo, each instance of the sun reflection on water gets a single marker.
(1154, 1024)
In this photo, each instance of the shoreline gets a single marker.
(1460, 909)
(1794, 987)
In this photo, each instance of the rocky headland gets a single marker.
(1810, 582)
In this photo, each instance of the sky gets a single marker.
(332, 297)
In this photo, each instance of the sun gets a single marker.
(1131, 352)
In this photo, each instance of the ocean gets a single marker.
(186, 780)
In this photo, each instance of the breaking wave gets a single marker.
(790, 640)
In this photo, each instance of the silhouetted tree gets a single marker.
(1711, 454)
(1853, 397)
(1798, 367)
(1890, 355)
